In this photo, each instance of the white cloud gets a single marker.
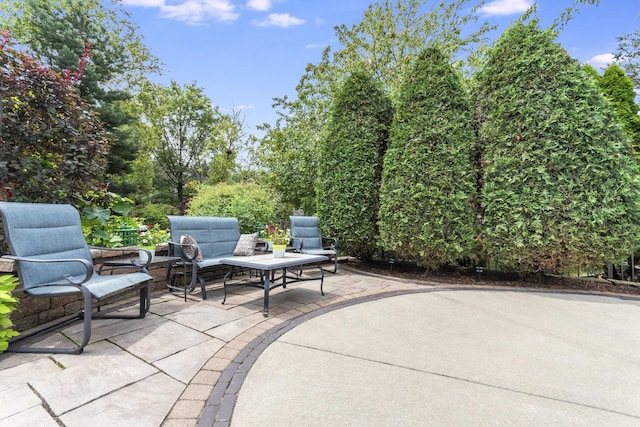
(262, 5)
(191, 11)
(602, 60)
(143, 3)
(242, 107)
(505, 7)
(313, 46)
(280, 20)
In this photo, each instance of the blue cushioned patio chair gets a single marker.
(215, 237)
(53, 259)
(307, 239)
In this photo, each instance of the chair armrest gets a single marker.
(128, 249)
(72, 280)
(196, 250)
(331, 242)
(125, 249)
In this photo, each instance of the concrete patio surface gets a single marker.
(372, 351)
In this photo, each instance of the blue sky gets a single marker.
(243, 53)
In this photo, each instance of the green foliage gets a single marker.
(592, 72)
(178, 132)
(618, 89)
(58, 32)
(151, 235)
(289, 155)
(628, 54)
(390, 35)
(101, 214)
(7, 305)
(230, 135)
(560, 184)
(252, 204)
(350, 164)
(428, 181)
(155, 213)
(53, 146)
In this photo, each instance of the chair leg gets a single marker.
(145, 300)
(202, 287)
(86, 316)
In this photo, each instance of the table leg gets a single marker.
(267, 283)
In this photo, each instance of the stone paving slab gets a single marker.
(185, 364)
(203, 316)
(25, 372)
(34, 416)
(230, 330)
(102, 329)
(78, 385)
(100, 348)
(16, 399)
(158, 341)
(142, 404)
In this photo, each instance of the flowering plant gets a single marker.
(148, 235)
(276, 234)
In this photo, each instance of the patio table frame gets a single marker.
(267, 265)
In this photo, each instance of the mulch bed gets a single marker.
(468, 276)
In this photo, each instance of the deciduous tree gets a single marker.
(60, 32)
(628, 55)
(178, 128)
(52, 146)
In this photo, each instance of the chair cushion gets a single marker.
(246, 244)
(186, 239)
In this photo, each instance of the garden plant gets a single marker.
(560, 184)
(429, 180)
(8, 303)
(350, 164)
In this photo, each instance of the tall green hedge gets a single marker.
(560, 186)
(350, 164)
(428, 183)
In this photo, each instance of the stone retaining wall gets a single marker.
(32, 312)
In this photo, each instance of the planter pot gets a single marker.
(144, 255)
(269, 244)
(279, 250)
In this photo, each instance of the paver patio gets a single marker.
(183, 364)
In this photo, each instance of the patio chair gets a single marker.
(307, 239)
(53, 259)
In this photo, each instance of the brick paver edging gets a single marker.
(219, 407)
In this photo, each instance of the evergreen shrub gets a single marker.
(428, 181)
(350, 165)
(560, 185)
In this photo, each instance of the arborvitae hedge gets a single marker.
(560, 185)
(428, 182)
(350, 164)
